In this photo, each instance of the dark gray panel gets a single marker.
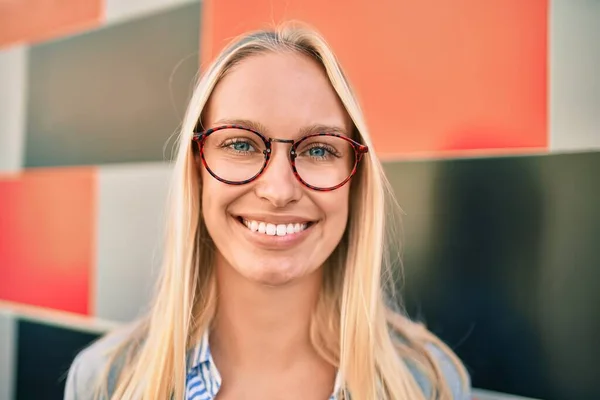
(502, 262)
(107, 96)
(44, 355)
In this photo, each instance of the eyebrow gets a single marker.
(319, 128)
(246, 123)
(307, 130)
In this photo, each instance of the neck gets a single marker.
(260, 325)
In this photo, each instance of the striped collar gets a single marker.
(203, 379)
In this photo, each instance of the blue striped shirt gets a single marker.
(203, 380)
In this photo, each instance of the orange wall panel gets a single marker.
(433, 77)
(26, 21)
(47, 238)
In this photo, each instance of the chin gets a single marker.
(273, 273)
(273, 280)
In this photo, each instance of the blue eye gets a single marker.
(321, 151)
(242, 146)
(317, 152)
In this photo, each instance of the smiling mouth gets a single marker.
(269, 229)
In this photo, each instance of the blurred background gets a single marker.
(485, 113)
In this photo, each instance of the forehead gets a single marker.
(283, 92)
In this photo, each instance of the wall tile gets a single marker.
(501, 253)
(13, 88)
(36, 20)
(113, 95)
(46, 238)
(467, 76)
(120, 10)
(44, 355)
(8, 343)
(574, 77)
(129, 229)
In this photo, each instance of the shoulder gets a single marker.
(450, 373)
(89, 365)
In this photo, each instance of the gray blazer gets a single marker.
(91, 362)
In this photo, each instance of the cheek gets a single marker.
(335, 207)
(215, 198)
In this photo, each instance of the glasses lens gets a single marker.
(324, 161)
(234, 154)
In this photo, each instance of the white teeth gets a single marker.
(281, 230)
(272, 229)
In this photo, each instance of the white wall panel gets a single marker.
(119, 10)
(574, 91)
(13, 83)
(131, 208)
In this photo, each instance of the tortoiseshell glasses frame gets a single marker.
(200, 138)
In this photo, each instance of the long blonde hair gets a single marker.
(353, 328)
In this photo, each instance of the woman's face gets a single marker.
(283, 96)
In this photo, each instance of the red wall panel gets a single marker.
(47, 238)
(434, 77)
(26, 21)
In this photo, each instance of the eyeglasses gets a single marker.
(237, 155)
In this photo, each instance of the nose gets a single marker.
(278, 185)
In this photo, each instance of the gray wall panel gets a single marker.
(574, 41)
(112, 95)
(130, 224)
(13, 84)
(8, 345)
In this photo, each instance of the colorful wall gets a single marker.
(496, 103)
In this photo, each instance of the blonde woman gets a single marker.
(272, 283)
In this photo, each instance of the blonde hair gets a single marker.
(352, 327)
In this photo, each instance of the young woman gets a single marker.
(272, 284)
